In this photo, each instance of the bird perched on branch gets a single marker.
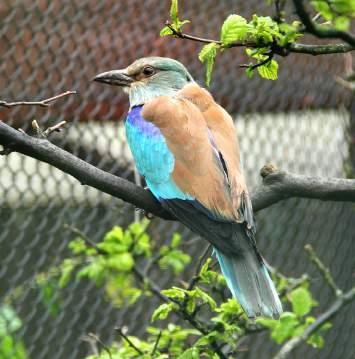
(185, 146)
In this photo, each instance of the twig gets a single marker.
(347, 84)
(97, 339)
(182, 313)
(43, 103)
(44, 134)
(130, 343)
(86, 239)
(56, 128)
(201, 260)
(323, 270)
(279, 10)
(156, 343)
(340, 303)
(182, 35)
(252, 66)
(92, 343)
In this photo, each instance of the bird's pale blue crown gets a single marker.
(147, 78)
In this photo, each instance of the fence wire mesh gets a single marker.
(299, 122)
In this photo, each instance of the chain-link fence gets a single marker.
(298, 122)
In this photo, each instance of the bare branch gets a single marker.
(200, 263)
(182, 35)
(43, 103)
(328, 278)
(277, 185)
(56, 128)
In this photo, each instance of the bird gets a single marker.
(185, 146)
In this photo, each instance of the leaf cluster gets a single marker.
(195, 319)
(336, 13)
(293, 323)
(261, 33)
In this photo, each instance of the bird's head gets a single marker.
(147, 78)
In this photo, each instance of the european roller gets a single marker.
(185, 146)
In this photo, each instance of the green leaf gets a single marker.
(234, 28)
(342, 23)
(175, 259)
(142, 246)
(267, 322)
(174, 292)
(285, 327)
(166, 31)
(175, 241)
(323, 8)
(206, 339)
(207, 55)
(174, 11)
(192, 353)
(122, 262)
(49, 294)
(9, 321)
(67, 268)
(10, 348)
(191, 305)
(249, 71)
(265, 30)
(94, 270)
(316, 340)
(346, 7)
(115, 235)
(301, 301)
(77, 246)
(162, 311)
(326, 326)
(269, 70)
(206, 298)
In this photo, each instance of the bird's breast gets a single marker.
(153, 158)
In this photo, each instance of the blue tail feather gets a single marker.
(250, 283)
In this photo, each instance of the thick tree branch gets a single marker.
(277, 185)
(320, 49)
(45, 151)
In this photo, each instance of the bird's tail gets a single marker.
(249, 281)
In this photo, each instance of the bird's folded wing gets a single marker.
(198, 171)
(223, 131)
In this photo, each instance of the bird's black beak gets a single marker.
(114, 77)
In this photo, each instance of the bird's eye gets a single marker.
(148, 71)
